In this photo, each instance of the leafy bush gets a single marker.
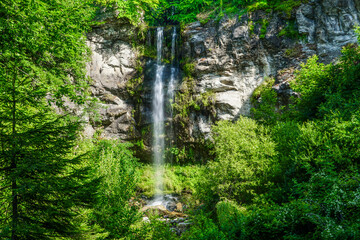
(327, 211)
(311, 84)
(116, 166)
(130, 9)
(203, 228)
(231, 218)
(153, 229)
(244, 155)
(186, 11)
(325, 89)
(264, 98)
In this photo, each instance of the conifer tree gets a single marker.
(42, 61)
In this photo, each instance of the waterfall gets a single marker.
(158, 118)
(172, 85)
(158, 111)
(172, 82)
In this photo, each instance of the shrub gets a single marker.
(154, 229)
(264, 98)
(244, 155)
(231, 218)
(115, 165)
(203, 229)
(325, 89)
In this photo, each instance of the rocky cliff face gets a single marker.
(113, 63)
(231, 58)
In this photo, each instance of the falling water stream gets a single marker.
(171, 87)
(158, 118)
(172, 82)
(159, 112)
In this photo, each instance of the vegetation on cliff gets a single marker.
(168, 12)
(186, 11)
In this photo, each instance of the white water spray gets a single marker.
(158, 119)
(172, 82)
(159, 114)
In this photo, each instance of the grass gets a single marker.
(176, 179)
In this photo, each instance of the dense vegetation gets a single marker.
(42, 59)
(289, 173)
(185, 11)
(295, 177)
(167, 12)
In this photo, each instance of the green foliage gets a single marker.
(130, 9)
(244, 155)
(44, 41)
(203, 229)
(134, 86)
(288, 6)
(149, 51)
(294, 52)
(265, 85)
(182, 155)
(314, 191)
(204, 17)
(140, 144)
(251, 27)
(309, 186)
(258, 5)
(176, 179)
(264, 24)
(48, 184)
(188, 69)
(325, 89)
(186, 11)
(264, 98)
(231, 218)
(325, 213)
(153, 230)
(116, 167)
(291, 31)
(310, 84)
(42, 61)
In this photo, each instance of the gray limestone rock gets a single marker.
(112, 64)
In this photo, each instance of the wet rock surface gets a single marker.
(170, 210)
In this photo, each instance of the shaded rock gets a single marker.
(162, 211)
(171, 206)
(179, 207)
(181, 226)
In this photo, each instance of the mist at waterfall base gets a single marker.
(161, 97)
